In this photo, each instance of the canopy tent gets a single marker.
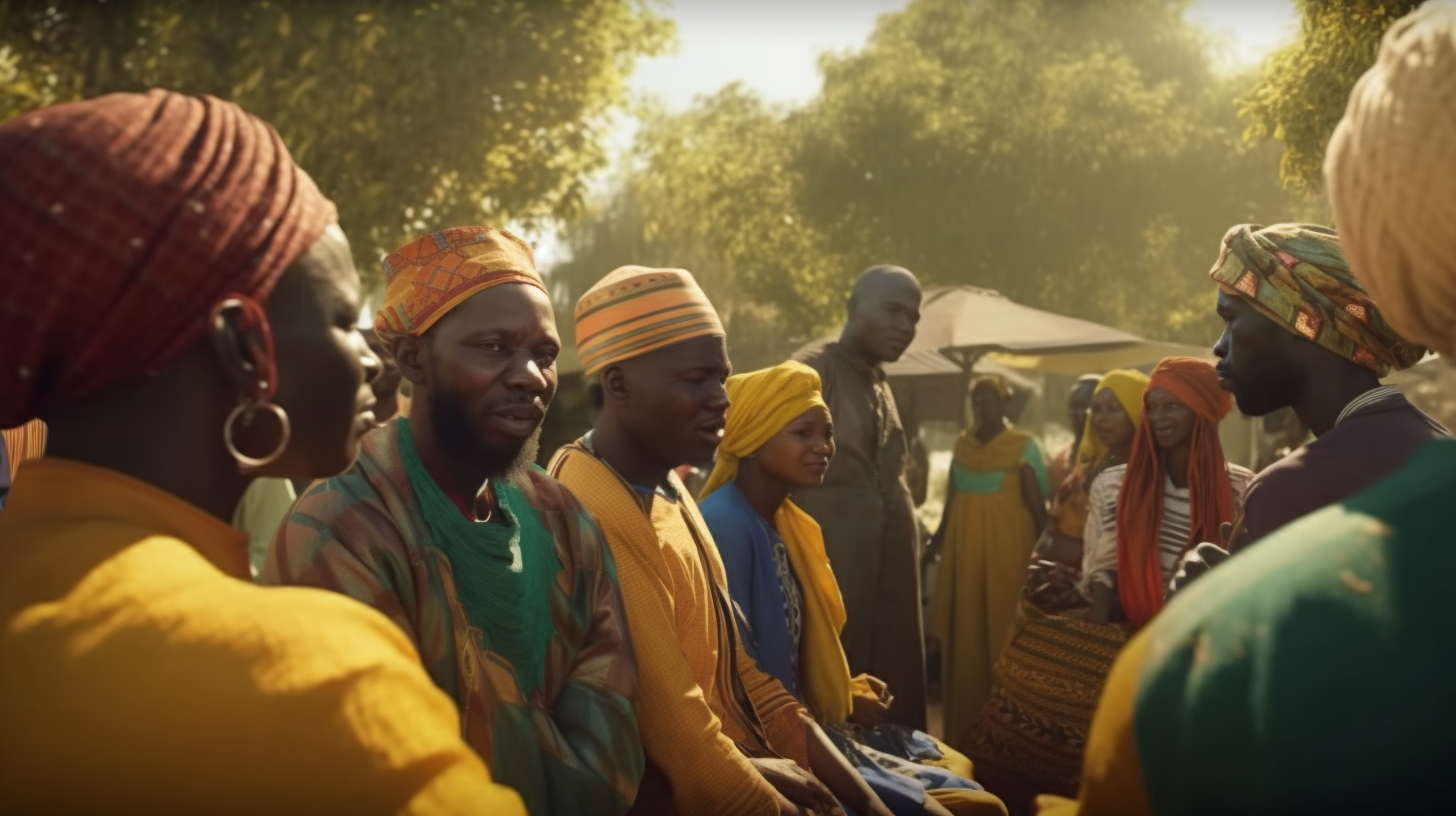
(972, 329)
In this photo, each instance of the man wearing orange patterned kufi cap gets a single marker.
(446, 526)
(636, 310)
(721, 735)
(428, 277)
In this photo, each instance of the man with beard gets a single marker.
(495, 571)
(864, 505)
(722, 736)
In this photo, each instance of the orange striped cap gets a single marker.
(636, 310)
(428, 277)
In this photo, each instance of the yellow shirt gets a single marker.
(696, 727)
(144, 672)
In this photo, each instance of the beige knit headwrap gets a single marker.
(1391, 171)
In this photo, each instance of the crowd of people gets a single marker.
(239, 571)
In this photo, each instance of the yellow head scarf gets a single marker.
(1128, 386)
(763, 403)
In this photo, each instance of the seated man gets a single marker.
(494, 570)
(721, 736)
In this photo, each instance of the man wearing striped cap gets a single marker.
(721, 736)
(497, 573)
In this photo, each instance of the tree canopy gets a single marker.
(1081, 156)
(408, 114)
(1306, 85)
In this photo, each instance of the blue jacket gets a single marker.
(743, 540)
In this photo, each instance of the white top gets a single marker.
(1099, 541)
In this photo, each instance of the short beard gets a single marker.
(450, 421)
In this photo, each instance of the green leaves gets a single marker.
(1077, 156)
(391, 106)
(1306, 85)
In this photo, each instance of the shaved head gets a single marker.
(875, 279)
(884, 308)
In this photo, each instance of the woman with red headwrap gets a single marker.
(178, 305)
(1177, 490)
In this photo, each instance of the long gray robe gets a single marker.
(870, 532)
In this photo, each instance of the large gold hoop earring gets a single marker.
(246, 410)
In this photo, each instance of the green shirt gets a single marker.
(1315, 673)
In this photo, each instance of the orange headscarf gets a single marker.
(1140, 504)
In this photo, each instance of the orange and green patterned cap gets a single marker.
(430, 276)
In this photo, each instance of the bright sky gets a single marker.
(772, 46)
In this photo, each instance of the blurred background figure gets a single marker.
(864, 505)
(994, 509)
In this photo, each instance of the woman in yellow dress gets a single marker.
(994, 509)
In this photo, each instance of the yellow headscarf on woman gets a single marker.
(1128, 386)
(763, 403)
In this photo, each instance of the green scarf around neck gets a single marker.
(502, 572)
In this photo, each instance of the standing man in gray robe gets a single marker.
(864, 505)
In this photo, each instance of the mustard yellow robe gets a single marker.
(987, 545)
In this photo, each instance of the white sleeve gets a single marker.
(1099, 539)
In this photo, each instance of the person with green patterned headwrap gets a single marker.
(1301, 332)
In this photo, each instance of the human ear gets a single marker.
(614, 383)
(235, 348)
(410, 355)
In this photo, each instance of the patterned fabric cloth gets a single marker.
(123, 220)
(705, 706)
(1391, 170)
(635, 310)
(145, 673)
(1141, 585)
(429, 276)
(1296, 275)
(572, 748)
(793, 596)
(1034, 727)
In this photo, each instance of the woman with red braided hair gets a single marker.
(179, 306)
(1176, 491)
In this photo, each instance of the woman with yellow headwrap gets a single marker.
(1103, 441)
(994, 509)
(778, 437)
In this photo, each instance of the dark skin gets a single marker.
(668, 408)
(325, 368)
(386, 385)
(664, 409)
(1268, 367)
(799, 456)
(1172, 423)
(1079, 404)
(495, 353)
(1114, 429)
(989, 410)
(884, 309)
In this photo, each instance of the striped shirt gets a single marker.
(1099, 554)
